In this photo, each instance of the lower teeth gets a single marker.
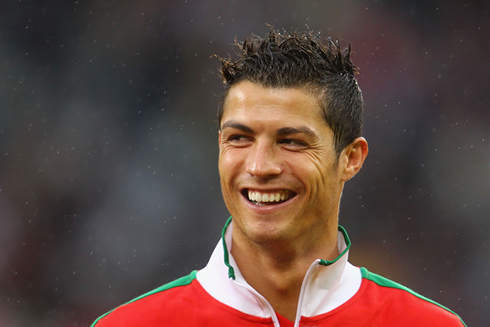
(264, 203)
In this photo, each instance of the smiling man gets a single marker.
(289, 138)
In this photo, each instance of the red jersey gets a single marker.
(333, 293)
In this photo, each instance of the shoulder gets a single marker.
(397, 301)
(155, 303)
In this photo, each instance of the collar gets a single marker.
(343, 242)
(327, 284)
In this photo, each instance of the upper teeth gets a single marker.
(268, 197)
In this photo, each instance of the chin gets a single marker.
(264, 231)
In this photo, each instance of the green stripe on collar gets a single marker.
(347, 243)
(231, 270)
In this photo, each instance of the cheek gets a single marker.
(324, 179)
(226, 162)
(229, 164)
(309, 167)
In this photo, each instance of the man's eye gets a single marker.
(292, 143)
(238, 139)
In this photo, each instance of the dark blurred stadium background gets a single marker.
(108, 146)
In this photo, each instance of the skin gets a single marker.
(275, 140)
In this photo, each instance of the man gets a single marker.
(290, 137)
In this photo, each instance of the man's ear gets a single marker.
(352, 158)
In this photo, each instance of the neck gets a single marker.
(276, 269)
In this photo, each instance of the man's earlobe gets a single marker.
(354, 155)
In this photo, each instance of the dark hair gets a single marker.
(302, 59)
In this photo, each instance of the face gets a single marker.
(279, 174)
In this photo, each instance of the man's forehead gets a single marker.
(291, 108)
(246, 89)
(248, 95)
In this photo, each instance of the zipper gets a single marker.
(302, 293)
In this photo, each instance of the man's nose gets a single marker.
(264, 161)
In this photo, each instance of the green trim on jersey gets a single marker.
(231, 270)
(182, 281)
(347, 243)
(385, 282)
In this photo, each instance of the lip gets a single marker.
(267, 208)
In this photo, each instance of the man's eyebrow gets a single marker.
(236, 125)
(296, 130)
(280, 132)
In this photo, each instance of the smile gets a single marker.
(268, 198)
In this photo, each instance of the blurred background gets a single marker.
(108, 146)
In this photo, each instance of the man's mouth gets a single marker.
(268, 198)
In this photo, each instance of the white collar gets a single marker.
(327, 284)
